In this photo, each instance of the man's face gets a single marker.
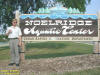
(14, 23)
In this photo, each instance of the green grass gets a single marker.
(4, 53)
(50, 50)
(56, 49)
(95, 71)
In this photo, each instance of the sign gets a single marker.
(59, 27)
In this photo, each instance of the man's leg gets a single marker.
(12, 52)
(16, 51)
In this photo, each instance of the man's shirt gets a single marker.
(16, 32)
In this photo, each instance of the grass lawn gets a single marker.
(95, 71)
(50, 49)
(56, 49)
(4, 53)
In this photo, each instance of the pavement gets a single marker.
(2, 44)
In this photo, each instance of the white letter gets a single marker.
(72, 22)
(65, 21)
(88, 22)
(80, 22)
(33, 30)
(51, 22)
(36, 22)
(58, 22)
(64, 32)
(44, 22)
(26, 31)
(26, 22)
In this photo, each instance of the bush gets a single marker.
(3, 38)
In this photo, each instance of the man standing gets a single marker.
(14, 35)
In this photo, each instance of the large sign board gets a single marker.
(52, 27)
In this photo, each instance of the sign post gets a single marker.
(22, 53)
(97, 43)
(22, 48)
(99, 29)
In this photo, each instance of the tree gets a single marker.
(80, 4)
(7, 8)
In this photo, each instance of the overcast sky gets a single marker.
(93, 7)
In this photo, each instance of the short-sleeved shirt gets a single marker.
(16, 32)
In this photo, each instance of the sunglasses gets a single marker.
(14, 22)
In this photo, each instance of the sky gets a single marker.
(93, 7)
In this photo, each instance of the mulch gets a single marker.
(59, 65)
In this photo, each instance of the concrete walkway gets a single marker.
(2, 44)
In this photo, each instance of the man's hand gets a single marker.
(10, 31)
(20, 43)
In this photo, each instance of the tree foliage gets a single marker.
(80, 4)
(7, 8)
